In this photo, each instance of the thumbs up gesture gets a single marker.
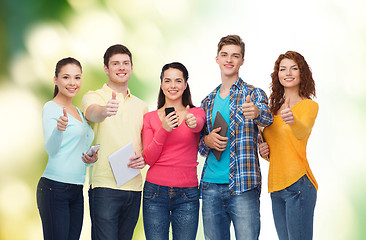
(250, 110)
(62, 121)
(112, 106)
(190, 119)
(286, 114)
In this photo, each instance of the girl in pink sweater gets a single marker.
(170, 143)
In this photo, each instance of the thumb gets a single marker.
(113, 95)
(64, 111)
(188, 108)
(287, 102)
(247, 99)
(216, 130)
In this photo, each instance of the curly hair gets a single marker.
(307, 84)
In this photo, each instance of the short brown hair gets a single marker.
(231, 40)
(116, 49)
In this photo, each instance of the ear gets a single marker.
(242, 62)
(185, 87)
(55, 80)
(106, 70)
(217, 59)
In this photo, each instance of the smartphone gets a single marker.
(94, 149)
(169, 110)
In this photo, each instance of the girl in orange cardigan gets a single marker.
(291, 183)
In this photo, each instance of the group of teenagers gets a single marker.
(169, 144)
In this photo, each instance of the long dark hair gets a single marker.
(60, 64)
(186, 97)
(307, 84)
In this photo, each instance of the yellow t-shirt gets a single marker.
(113, 133)
(287, 145)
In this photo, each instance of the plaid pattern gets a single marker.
(244, 164)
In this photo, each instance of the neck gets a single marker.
(63, 100)
(119, 88)
(227, 82)
(294, 96)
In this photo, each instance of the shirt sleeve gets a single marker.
(260, 99)
(203, 149)
(153, 141)
(52, 136)
(304, 120)
(91, 98)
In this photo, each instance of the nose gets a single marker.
(288, 72)
(72, 81)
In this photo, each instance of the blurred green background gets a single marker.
(331, 34)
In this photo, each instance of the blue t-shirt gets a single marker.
(218, 171)
(65, 148)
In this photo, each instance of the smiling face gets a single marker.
(119, 69)
(230, 60)
(173, 85)
(68, 80)
(289, 74)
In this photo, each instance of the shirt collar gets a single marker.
(108, 90)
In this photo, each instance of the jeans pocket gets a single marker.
(148, 194)
(205, 185)
(192, 194)
(59, 187)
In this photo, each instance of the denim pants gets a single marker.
(114, 213)
(220, 208)
(293, 210)
(164, 205)
(61, 207)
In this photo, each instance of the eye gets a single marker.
(282, 69)
(295, 68)
(65, 77)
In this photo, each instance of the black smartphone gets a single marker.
(169, 110)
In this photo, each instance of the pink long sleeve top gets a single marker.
(172, 156)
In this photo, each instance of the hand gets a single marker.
(137, 162)
(170, 121)
(263, 147)
(62, 121)
(286, 114)
(112, 106)
(215, 140)
(250, 110)
(190, 119)
(90, 159)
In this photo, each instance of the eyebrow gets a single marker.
(290, 66)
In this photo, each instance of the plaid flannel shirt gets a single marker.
(244, 164)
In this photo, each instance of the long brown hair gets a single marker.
(186, 97)
(60, 64)
(307, 84)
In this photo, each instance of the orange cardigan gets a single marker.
(287, 144)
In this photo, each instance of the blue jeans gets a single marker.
(219, 209)
(164, 205)
(114, 213)
(61, 207)
(293, 210)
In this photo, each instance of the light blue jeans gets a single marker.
(164, 205)
(293, 210)
(220, 208)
